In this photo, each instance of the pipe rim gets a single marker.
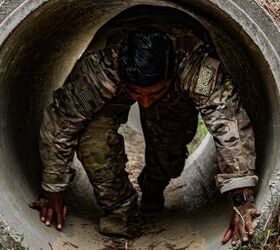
(29, 7)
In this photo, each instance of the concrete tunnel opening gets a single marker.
(40, 52)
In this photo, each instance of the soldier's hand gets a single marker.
(241, 228)
(51, 206)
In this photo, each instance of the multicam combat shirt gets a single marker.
(94, 81)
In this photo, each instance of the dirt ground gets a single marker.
(135, 148)
(170, 230)
(166, 231)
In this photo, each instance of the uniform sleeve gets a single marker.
(92, 82)
(218, 101)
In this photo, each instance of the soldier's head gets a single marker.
(145, 64)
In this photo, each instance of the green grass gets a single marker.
(199, 136)
(267, 236)
(7, 242)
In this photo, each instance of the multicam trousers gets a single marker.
(168, 127)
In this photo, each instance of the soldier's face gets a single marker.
(147, 96)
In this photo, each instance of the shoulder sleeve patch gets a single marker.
(206, 77)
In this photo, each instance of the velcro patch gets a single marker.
(205, 81)
(207, 77)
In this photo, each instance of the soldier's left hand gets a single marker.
(241, 228)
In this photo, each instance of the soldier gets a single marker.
(172, 84)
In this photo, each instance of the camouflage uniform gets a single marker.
(88, 110)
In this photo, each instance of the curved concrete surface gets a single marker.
(41, 40)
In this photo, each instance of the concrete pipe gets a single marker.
(39, 43)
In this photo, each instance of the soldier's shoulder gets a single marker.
(205, 80)
(107, 56)
(97, 62)
(190, 64)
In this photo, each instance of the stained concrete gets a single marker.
(7, 7)
(39, 43)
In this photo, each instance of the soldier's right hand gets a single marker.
(51, 206)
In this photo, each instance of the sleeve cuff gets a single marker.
(228, 182)
(53, 182)
(54, 187)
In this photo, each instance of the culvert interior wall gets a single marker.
(44, 44)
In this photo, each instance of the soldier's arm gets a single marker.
(217, 99)
(91, 83)
(218, 102)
